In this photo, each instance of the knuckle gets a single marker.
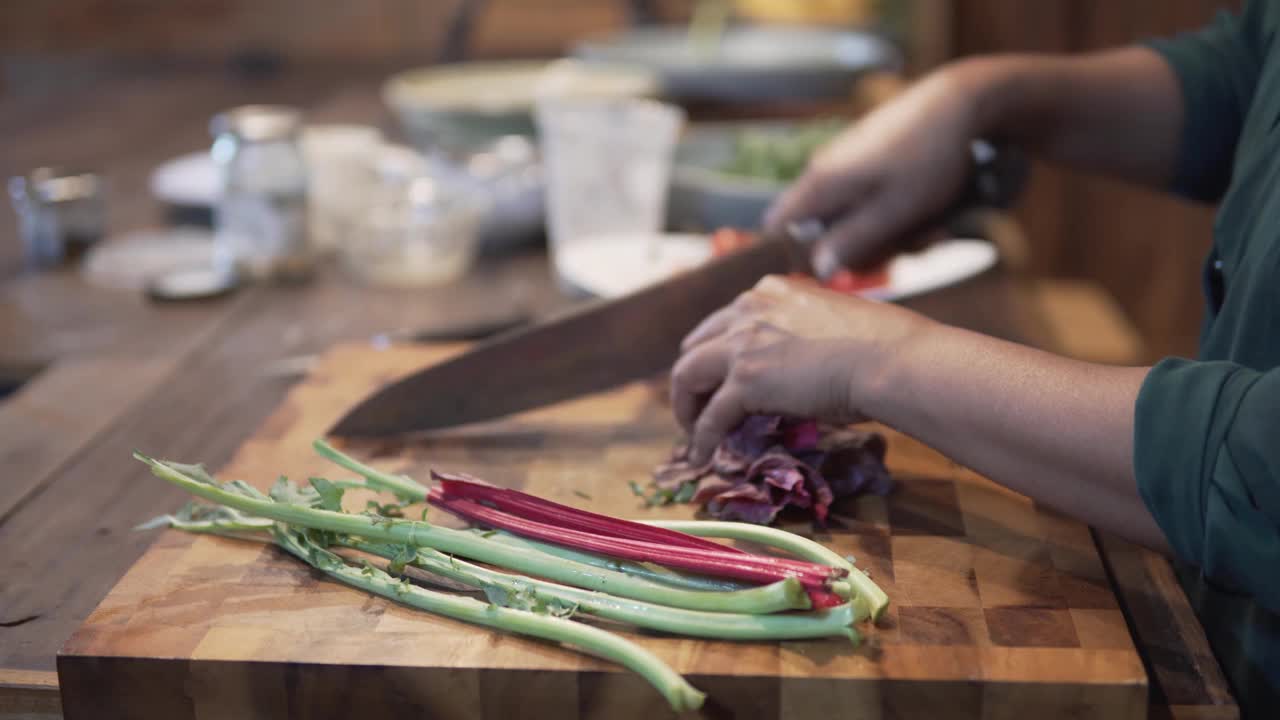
(704, 432)
(771, 284)
(822, 167)
(680, 371)
(748, 372)
(748, 334)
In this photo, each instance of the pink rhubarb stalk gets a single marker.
(764, 569)
(533, 507)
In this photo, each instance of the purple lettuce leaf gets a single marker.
(743, 511)
(710, 486)
(769, 463)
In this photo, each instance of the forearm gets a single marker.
(1057, 430)
(1117, 112)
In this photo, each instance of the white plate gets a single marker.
(190, 180)
(131, 260)
(615, 266)
(941, 264)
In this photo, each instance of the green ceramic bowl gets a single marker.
(704, 195)
(462, 107)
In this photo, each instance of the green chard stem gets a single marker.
(797, 545)
(401, 486)
(227, 528)
(867, 594)
(647, 571)
(786, 594)
(835, 622)
(679, 693)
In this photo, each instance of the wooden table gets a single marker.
(188, 380)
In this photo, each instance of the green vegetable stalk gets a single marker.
(835, 622)
(402, 486)
(648, 571)
(783, 595)
(679, 693)
(869, 596)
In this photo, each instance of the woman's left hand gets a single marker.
(786, 347)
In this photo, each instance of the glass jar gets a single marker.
(61, 214)
(260, 220)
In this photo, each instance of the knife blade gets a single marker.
(596, 347)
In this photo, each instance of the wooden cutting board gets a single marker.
(1000, 608)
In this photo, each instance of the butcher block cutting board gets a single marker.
(1000, 608)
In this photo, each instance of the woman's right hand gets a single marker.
(887, 173)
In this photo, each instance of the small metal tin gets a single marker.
(61, 214)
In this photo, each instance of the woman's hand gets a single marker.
(1058, 430)
(883, 176)
(1118, 112)
(786, 347)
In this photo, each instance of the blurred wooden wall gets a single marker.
(1145, 248)
(318, 31)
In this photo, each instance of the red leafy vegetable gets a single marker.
(770, 463)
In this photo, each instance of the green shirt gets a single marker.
(1207, 431)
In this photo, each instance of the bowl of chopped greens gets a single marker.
(727, 174)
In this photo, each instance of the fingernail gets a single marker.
(775, 214)
(772, 217)
(806, 232)
(825, 262)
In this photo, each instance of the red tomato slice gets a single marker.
(726, 240)
(848, 281)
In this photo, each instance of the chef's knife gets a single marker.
(595, 347)
(606, 343)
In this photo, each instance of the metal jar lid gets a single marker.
(53, 185)
(258, 123)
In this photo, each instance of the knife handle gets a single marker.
(996, 178)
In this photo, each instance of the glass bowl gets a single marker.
(420, 229)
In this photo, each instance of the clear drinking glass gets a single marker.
(607, 163)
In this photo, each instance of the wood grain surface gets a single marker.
(1000, 607)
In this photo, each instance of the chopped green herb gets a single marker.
(330, 494)
(686, 492)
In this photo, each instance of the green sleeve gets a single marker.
(1207, 458)
(1217, 69)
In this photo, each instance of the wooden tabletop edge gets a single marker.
(28, 680)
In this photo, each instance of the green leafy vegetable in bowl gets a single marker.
(779, 155)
